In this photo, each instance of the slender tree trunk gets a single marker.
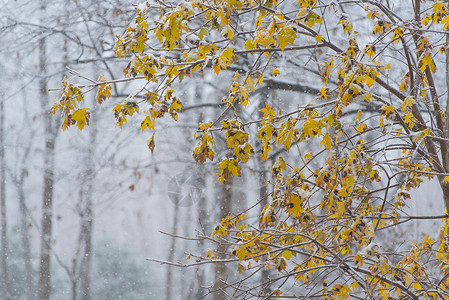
(47, 215)
(443, 184)
(87, 212)
(87, 257)
(263, 191)
(220, 268)
(202, 201)
(81, 265)
(24, 214)
(82, 260)
(202, 216)
(447, 79)
(49, 163)
(4, 228)
(25, 237)
(171, 253)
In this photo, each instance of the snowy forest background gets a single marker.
(112, 198)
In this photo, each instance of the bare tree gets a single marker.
(49, 166)
(4, 228)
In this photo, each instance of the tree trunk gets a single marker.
(202, 201)
(47, 215)
(87, 214)
(443, 184)
(25, 237)
(49, 153)
(202, 216)
(447, 80)
(171, 252)
(263, 191)
(4, 240)
(220, 268)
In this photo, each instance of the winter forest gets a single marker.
(224, 149)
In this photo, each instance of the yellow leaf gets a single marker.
(295, 206)
(324, 93)
(148, 122)
(227, 33)
(313, 18)
(279, 166)
(287, 254)
(81, 117)
(362, 128)
(228, 168)
(268, 112)
(150, 143)
(286, 36)
(359, 115)
(104, 91)
(326, 141)
(308, 156)
(267, 217)
(427, 61)
(55, 107)
(281, 265)
(202, 33)
(388, 109)
(445, 21)
(249, 44)
(370, 50)
(358, 259)
(311, 128)
(240, 268)
(367, 97)
(417, 286)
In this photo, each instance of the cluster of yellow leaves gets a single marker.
(286, 36)
(426, 61)
(226, 224)
(228, 167)
(287, 133)
(278, 32)
(439, 15)
(104, 90)
(346, 23)
(224, 60)
(240, 92)
(134, 38)
(145, 65)
(173, 24)
(237, 142)
(122, 111)
(267, 217)
(340, 291)
(204, 147)
(360, 231)
(266, 131)
(72, 95)
(412, 267)
(158, 107)
(381, 27)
